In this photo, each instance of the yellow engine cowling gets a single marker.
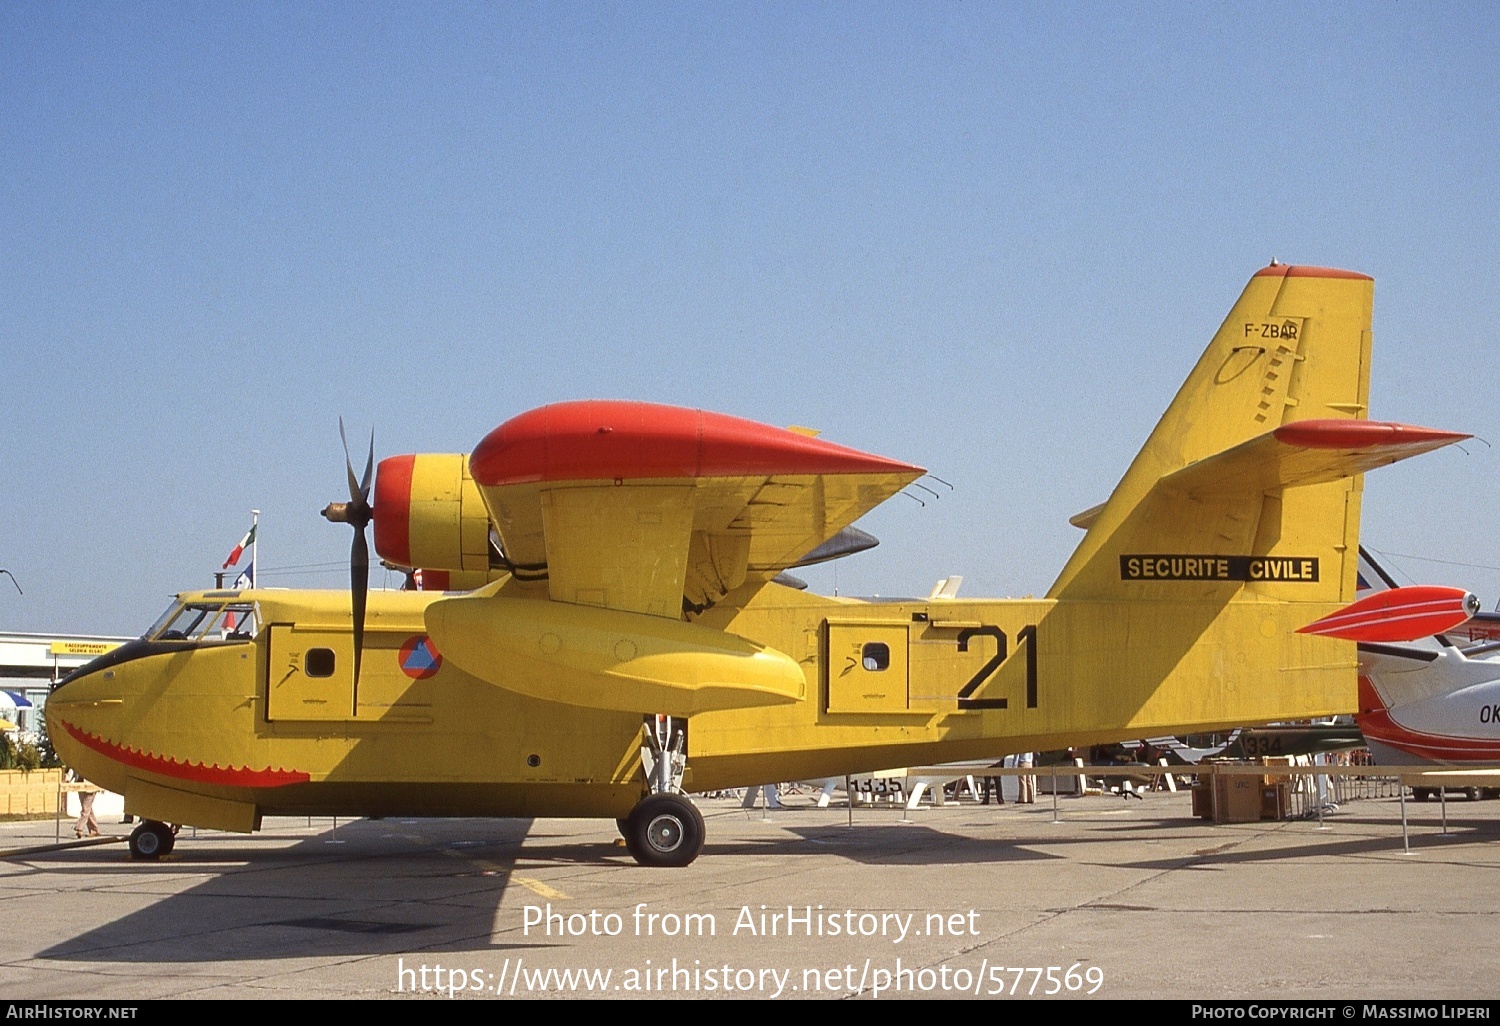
(429, 514)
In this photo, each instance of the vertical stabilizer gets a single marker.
(1296, 346)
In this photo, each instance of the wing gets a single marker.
(659, 509)
(636, 515)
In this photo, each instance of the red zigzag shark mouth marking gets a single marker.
(233, 776)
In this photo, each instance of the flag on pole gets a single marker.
(234, 557)
(246, 579)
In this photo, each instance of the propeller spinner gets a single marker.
(357, 514)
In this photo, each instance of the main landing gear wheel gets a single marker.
(151, 840)
(664, 830)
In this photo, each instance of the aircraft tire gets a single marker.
(1421, 794)
(664, 830)
(151, 840)
(1472, 793)
(622, 824)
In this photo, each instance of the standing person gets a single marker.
(1027, 781)
(87, 825)
(988, 784)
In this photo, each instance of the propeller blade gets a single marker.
(359, 585)
(354, 492)
(364, 484)
(357, 514)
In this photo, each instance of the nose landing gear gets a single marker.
(152, 839)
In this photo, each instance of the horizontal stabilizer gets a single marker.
(1400, 614)
(1086, 519)
(1305, 452)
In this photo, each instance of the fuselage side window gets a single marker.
(318, 662)
(875, 656)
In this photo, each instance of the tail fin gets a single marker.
(1238, 522)
(1252, 478)
(1372, 577)
(1481, 629)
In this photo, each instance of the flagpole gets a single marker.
(254, 544)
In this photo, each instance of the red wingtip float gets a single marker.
(1401, 614)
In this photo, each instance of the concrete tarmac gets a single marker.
(1121, 899)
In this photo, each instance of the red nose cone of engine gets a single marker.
(392, 508)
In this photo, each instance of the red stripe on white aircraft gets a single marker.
(1375, 723)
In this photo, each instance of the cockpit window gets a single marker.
(205, 621)
(238, 621)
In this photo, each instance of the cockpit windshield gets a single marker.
(205, 621)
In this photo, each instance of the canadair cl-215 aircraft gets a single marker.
(627, 642)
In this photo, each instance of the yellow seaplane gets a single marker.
(610, 633)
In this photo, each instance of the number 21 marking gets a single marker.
(1025, 636)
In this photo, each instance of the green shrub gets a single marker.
(45, 751)
(24, 756)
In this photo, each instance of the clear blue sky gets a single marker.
(986, 238)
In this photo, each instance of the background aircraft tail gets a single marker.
(1372, 577)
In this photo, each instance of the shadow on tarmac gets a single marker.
(393, 887)
(401, 886)
(380, 891)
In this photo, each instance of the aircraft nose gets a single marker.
(88, 700)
